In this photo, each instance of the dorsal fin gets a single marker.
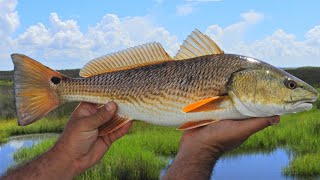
(197, 44)
(147, 54)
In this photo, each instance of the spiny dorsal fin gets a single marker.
(147, 54)
(197, 44)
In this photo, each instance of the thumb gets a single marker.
(103, 115)
(253, 125)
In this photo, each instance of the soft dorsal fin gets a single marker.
(197, 44)
(147, 54)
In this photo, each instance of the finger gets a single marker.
(112, 137)
(104, 143)
(253, 125)
(98, 150)
(103, 115)
(84, 109)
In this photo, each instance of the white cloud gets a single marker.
(235, 32)
(184, 9)
(114, 33)
(313, 36)
(37, 36)
(62, 45)
(188, 7)
(252, 17)
(9, 19)
(62, 42)
(280, 48)
(283, 49)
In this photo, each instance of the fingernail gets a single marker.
(109, 106)
(275, 120)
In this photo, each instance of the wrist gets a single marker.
(204, 155)
(65, 164)
(193, 162)
(212, 151)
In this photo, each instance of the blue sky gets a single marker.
(67, 34)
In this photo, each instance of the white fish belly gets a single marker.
(176, 117)
(170, 115)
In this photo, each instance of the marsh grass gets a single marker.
(5, 83)
(7, 109)
(138, 155)
(294, 130)
(306, 165)
(299, 135)
(11, 128)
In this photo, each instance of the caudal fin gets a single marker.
(35, 88)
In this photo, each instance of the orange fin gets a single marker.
(195, 124)
(35, 89)
(115, 123)
(205, 104)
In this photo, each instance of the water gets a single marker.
(250, 166)
(258, 165)
(15, 143)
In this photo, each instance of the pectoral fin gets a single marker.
(207, 104)
(112, 125)
(195, 124)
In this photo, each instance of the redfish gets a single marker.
(199, 86)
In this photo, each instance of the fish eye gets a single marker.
(291, 84)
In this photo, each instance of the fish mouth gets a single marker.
(307, 101)
(302, 105)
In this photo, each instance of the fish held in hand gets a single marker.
(199, 86)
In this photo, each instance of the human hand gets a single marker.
(201, 147)
(80, 143)
(78, 148)
(224, 135)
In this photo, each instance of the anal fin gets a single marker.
(115, 123)
(195, 124)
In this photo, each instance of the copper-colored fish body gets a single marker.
(200, 85)
(160, 91)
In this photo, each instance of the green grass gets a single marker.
(304, 165)
(11, 128)
(5, 83)
(7, 109)
(299, 134)
(293, 130)
(138, 155)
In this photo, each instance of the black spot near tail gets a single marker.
(55, 80)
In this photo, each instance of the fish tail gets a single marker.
(35, 89)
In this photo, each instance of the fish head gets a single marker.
(262, 90)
